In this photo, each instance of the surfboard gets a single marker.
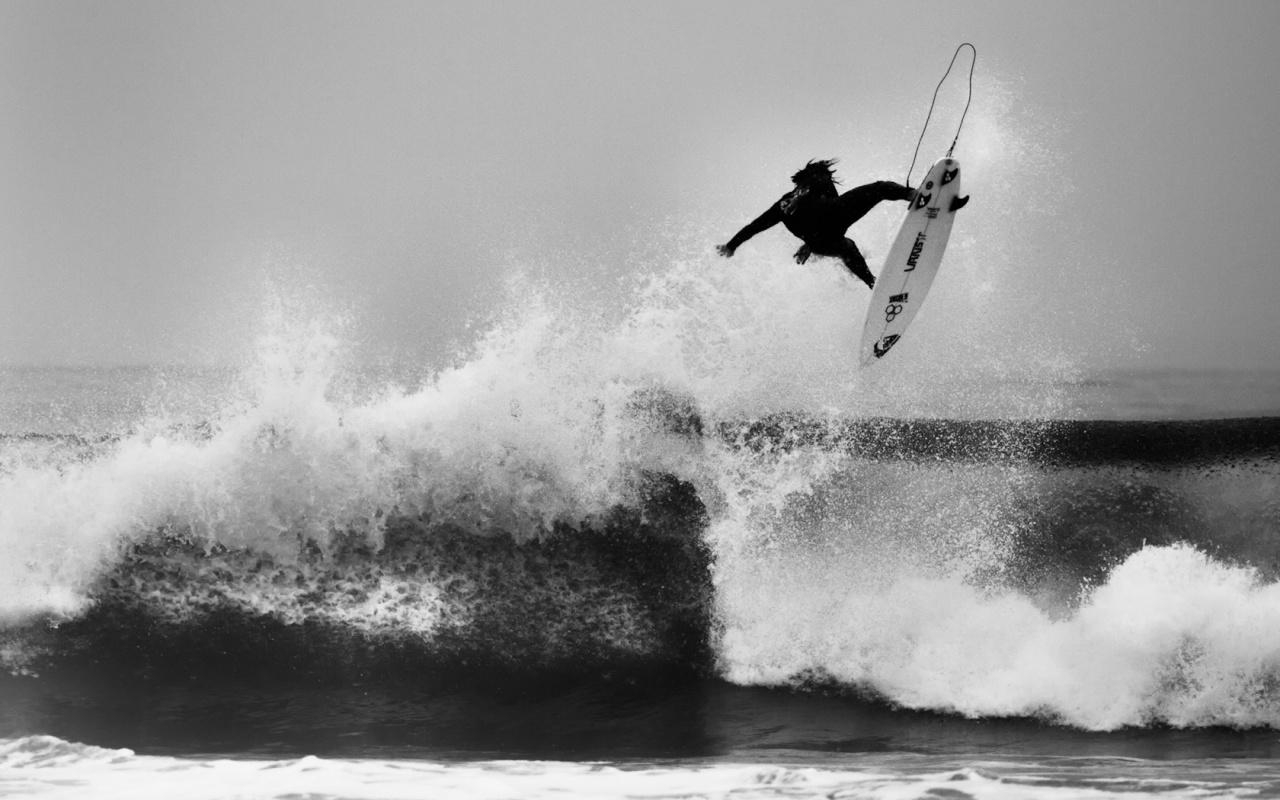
(912, 262)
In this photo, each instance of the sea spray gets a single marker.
(516, 511)
(505, 443)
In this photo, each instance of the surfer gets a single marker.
(819, 215)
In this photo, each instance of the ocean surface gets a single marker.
(667, 555)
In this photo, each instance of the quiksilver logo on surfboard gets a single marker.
(881, 347)
(915, 251)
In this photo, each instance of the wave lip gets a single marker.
(45, 752)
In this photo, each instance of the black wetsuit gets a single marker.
(819, 217)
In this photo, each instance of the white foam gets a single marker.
(1172, 636)
(49, 768)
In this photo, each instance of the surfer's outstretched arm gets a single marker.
(758, 225)
(854, 204)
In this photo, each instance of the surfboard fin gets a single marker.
(958, 203)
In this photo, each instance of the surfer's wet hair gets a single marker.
(816, 172)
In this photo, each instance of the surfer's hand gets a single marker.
(802, 255)
(725, 250)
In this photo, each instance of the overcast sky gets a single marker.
(161, 158)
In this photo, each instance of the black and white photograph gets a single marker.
(724, 399)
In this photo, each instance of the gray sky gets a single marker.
(163, 160)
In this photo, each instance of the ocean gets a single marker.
(688, 552)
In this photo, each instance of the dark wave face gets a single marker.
(1150, 444)
(432, 604)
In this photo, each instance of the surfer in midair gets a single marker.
(818, 214)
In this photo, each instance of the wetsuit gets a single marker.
(819, 217)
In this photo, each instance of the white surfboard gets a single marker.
(913, 261)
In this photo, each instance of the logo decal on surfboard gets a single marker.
(891, 311)
(915, 251)
(881, 347)
(949, 175)
(923, 200)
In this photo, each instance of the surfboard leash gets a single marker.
(932, 103)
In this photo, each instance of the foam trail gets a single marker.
(50, 767)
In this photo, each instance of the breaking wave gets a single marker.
(686, 482)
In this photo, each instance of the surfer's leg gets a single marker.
(853, 259)
(854, 204)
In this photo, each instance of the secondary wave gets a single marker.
(1095, 574)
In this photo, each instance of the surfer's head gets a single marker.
(816, 173)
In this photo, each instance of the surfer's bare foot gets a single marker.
(802, 255)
